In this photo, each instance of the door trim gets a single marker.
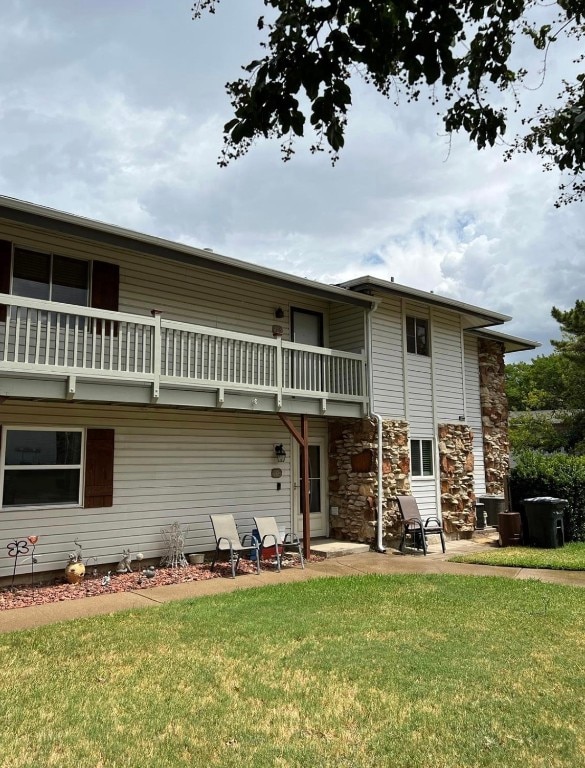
(321, 442)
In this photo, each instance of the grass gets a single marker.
(404, 671)
(571, 557)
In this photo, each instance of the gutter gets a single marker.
(379, 545)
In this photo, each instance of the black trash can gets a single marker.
(544, 521)
(493, 504)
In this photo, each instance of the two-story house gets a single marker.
(144, 382)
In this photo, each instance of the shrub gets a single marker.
(559, 475)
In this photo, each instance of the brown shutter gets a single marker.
(105, 290)
(99, 468)
(5, 268)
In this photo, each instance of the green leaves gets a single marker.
(459, 49)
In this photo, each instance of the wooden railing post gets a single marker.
(279, 371)
(365, 376)
(156, 354)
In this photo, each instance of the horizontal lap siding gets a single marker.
(474, 411)
(420, 396)
(169, 465)
(387, 360)
(346, 328)
(447, 367)
(184, 293)
(424, 491)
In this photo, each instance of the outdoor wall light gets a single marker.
(279, 313)
(279, 452)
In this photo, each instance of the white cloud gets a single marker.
(116, 114)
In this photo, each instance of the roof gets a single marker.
(511, 343)
(474, 317)
(39, 216)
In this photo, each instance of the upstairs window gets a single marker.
(50, 277)
(421, 458)
(417, 336)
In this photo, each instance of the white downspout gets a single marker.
(380, 510)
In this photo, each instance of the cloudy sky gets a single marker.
(114, 110)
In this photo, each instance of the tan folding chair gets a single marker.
(227, 539)
(270, 537)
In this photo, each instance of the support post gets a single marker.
(305, 501)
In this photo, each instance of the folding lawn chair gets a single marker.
(413, 524)
(227, 539)
(270, 537)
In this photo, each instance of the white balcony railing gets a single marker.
(47, 337)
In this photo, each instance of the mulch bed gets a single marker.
(58, 589)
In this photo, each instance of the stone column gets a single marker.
(456, 474)
(353, 476)
(494, 414)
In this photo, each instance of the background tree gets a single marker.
(458, 52)
(553, 383)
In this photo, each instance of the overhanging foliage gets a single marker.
(458, 52)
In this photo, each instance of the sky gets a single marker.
(114, 110)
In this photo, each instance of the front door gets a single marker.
(318, 500)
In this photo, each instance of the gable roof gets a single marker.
(473, 316)
(41, 217)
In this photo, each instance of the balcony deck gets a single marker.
(60, 351)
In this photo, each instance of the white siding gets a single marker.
(424, 490)
(447, 366)
(190, 294)
(169, 465)
(347, 328)
(387, 359)
(420, 396)
(474, 411)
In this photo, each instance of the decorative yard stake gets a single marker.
(33, 560)
(174, 538)
(16, 548)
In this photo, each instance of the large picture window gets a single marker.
(421, 458)
(50, 277)
(417, 336)
(41, 467)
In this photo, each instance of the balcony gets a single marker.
(52, 350)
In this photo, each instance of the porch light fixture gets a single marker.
(280, 453)
(279, 313)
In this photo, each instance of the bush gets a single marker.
(559, 475)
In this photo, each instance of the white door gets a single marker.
(318, 496)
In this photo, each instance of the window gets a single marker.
(41, 467)
(50, 277)
(421, 458)
(417, 336)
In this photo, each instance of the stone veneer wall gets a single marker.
(456, 474)
(353, 476)
(494, 414)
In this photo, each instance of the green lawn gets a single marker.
(571, 557)
(407, 671)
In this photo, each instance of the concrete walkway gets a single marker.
(368, 562)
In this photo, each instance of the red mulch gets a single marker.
(24, 595)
